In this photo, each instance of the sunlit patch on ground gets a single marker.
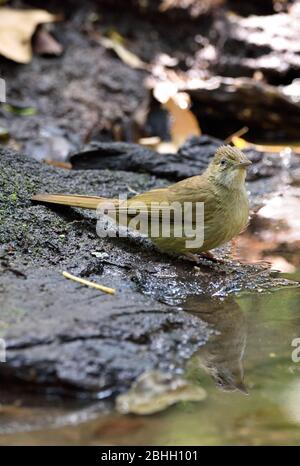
(273, 235)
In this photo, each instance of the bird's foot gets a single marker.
(208, 255)
(191, 257)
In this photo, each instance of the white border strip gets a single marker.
(2, 350)
(2, 90)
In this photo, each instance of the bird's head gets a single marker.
(228, 167)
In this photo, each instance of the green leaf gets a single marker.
(4, 133)
(19, 110)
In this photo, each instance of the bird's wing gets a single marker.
(191, 190)
(195, 189)
(153, 200)
(198, 189)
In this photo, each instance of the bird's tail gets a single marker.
(73, 200)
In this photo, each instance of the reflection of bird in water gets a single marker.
(222, 356)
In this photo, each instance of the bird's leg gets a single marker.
(191, 257)
(197, 257)
(209, 255)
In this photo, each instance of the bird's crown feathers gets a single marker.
(229, 153)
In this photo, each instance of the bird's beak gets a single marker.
(244, 164)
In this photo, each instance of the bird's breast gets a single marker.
(235, 213)
(228, 220)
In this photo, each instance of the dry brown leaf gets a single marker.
(152, 142)
(184, 124)
(241, 143)
(56, 163)
(46, 44)
(123, 53)
(155, 143)
(16, 30)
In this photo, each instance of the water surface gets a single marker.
(251, 381)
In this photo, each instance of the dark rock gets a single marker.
(90, 93)
(192, 159)
(174, 9)
(265, 109)
(259, 43)
(70, 338)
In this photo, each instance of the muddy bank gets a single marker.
(69, 338)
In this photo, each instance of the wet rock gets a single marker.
(51, 144)
(58, 333)
(70, 338)
(265, 43)
(225, 105)
(192, 159)
(70, 92)
(174, 9)
(193, 9)
(251, 63)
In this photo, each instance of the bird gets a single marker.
(220, 189)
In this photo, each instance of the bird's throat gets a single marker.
(231, 179)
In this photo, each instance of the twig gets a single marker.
(131, 190)
(105, 289)
(237, 134)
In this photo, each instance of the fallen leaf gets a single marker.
(116, 37)
(16, 30)
(45, 44)
(184, 124)
(4, 134)
(152, 142)
(19, 109)
(155, 143)
(58, 164)
(123, 53)
(13, 411)
(241, 143)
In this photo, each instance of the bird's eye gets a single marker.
(223, 162)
